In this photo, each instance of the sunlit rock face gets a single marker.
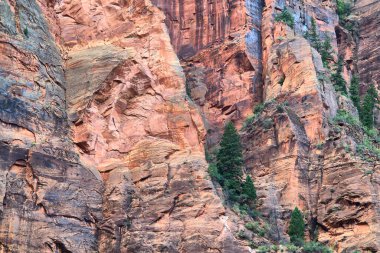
(107, 108)
(133, 123)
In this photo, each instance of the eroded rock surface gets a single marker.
(49, 201)
(134, 124)
(106, 108)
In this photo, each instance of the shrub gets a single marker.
(343, 116)
(281, 81)
(367, 146)
(343, 9)
(263, 249)
(316, 247)
(292, 248)
(252, 244)
(267, 123)
(286, 17)
(248, 121)
(256, 228)
(242, 235)
(296, 227)
(280, 108)
(259, 109)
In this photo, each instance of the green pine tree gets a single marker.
(326, 52)
(369, 103)
(230, 158)
(314, 37)
(296, 229)
(337, 78)
(249, 189)
(355, 92)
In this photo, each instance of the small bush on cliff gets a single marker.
(343, 9)
(343, 116)
(256, 228)
(368, 106)
(230, 159)
(286, 17)
(248, 121)
(296, 229)
(355, 92)
(337, 78)
(314, 247)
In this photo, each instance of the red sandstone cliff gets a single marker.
(107, 108)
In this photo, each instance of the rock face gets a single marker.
(49, 201)
(107, 108)
(219, 44)
(133, 123)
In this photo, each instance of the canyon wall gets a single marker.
(107, 109)
(50, 202)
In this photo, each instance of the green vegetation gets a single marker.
(188, 90)
(248, 121)
(355, 92)
(259, 109)
(286, 17)
(366, 144)
(313, 36)
(249, 189)
(369, 102)
(312, 247)
(343, 9)
(296, 227)
(281, 81)
(326, 52)
(267, 123)
(214, 173)
(26, 32)
(230, 159)
(324, 48)
(343, 116)
(337, 78)
(256, 228)
(228, 172)
(263, 249)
